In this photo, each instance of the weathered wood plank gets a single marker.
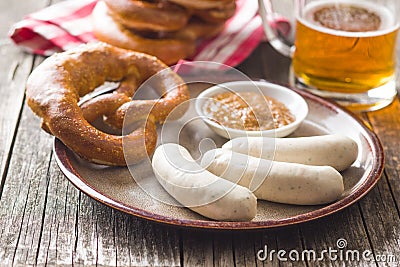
(58, 236)
(142, 243)
(386, 124)
(289, 239)
(237, 248)
(245, 247)
(381, 208)
(327, 232)
(24, 192)
(14, 68)
(13, 11)
(197, 248)
(13, 72)
(223, 249)
(382, 223)
(252, 248)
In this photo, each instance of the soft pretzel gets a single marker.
(169, 49)
(142, 15)
(54, 88)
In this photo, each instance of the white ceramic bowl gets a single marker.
(293, 101)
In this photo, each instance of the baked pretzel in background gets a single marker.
(54, 88)
(167, 29)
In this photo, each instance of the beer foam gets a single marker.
(388, 21)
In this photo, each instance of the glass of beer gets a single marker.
(341, 49)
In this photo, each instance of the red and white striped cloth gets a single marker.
(67, 24)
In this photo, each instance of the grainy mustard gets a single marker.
(249, 111)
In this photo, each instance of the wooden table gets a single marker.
(45, 220)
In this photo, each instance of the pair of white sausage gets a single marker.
(231, 197)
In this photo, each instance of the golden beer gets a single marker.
(345, 47)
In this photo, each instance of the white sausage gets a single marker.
(334, 150)
(198, 189)
(282, 182)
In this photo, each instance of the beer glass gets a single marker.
(341, 49)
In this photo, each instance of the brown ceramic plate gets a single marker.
(116, 187)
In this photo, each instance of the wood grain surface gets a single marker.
(46, 221)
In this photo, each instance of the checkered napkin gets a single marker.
(68, 24)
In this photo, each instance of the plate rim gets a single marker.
(64, 163)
